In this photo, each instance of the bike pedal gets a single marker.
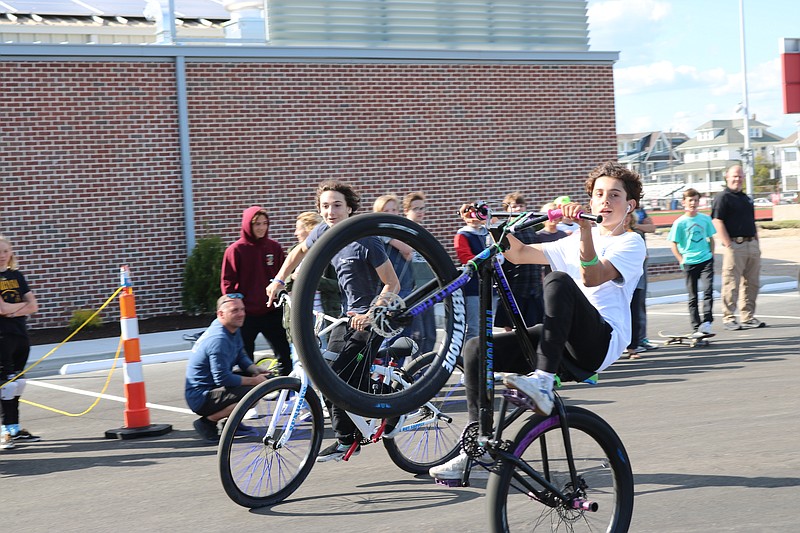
(520, 400)
(451, 482)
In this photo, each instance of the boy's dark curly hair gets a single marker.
(350, 196)
(630, 179)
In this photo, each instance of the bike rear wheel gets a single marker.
(603, 469)
(348, 386)
(255, 471)
(416, 450)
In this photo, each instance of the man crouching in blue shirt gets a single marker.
(212, 387)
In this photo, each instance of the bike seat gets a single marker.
(192, 337)
(399, 350)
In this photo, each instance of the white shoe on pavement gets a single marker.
(534, 388)
(454, 468)
(6, 441)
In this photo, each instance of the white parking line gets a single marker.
(764, 317)
(46, 385)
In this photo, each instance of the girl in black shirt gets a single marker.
(16, 302)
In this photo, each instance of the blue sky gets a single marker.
(680, 60)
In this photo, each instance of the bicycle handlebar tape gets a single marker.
(136, 415)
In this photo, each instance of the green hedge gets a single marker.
(201, 278)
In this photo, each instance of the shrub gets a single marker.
(79, 316)
(202, 275)
(780, 224)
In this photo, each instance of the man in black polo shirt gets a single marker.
(734, 218)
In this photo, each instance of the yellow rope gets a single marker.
(48, 354)
(96, 400)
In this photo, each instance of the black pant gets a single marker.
(349, 343)
(271, 326)
(705, 272)
(14, 352)
(638, 317)
(572, 327)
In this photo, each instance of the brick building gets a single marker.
(126, 154)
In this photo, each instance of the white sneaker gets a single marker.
(252, 414)
(705, 328)
(533, 388)
(6, 441)
(697, 334)
(454, 468)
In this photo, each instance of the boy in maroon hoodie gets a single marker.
(247, 268)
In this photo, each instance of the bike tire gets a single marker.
(418, 449)
(359, 398)
(602, 465)
(255, 473)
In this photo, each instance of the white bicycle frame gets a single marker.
(371, 429)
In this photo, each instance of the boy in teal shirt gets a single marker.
(693, 246)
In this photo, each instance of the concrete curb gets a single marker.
(106, 364)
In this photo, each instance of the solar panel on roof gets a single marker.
(210, 9)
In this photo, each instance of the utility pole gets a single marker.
(748, 159)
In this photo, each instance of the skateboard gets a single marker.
(690, 340)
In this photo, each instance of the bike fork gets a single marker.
(562, 415)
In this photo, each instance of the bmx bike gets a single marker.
(271, 439)
(565, 471)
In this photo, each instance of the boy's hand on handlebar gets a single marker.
(571, 212)
(359, 322)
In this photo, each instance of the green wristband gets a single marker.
(594, 261)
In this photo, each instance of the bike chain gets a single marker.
(469, 441)
(470, 446)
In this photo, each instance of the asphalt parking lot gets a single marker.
(712, 435)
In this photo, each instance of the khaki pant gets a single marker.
(741, 267)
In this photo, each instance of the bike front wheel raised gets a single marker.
(256, 468)
(518, 503)
(347, 382)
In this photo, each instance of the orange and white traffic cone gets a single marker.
(137, 415)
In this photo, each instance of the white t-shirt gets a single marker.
(613, 298)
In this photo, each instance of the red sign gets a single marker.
(790, 62)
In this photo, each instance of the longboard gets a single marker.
(688, 337)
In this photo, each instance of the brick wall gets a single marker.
(91, 166)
